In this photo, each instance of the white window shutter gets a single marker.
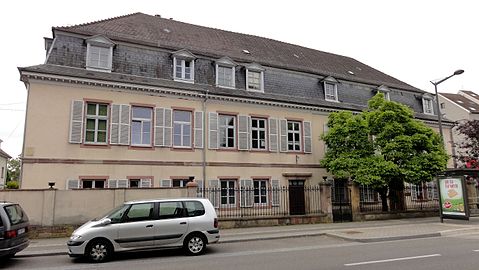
(307, 136)
(124, 125)
(413, 192)
(432, 191)
(112, 183)
(145, 183)
(159, 126)
(214, 192)
(273, 135)
(275, 192)
(73, 184)
(76, 122)
(325, 130)
(213, 130)
(122, 183)
(200, 189)
(243, 132)
(115, 124)
(198, 132)
(166, 183)
(283, 127)
(168, 127)
(246, 193)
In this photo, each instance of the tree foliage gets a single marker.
(382, 147)
(468, 153)
(13, 169)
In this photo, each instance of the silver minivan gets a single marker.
(190, 223)
(13, 229)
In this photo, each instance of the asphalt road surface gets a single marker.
(460, 252)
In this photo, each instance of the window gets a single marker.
(367, 194)
(260, 191)
(99, 53)
(294, 136)
(427, 106)
(3, 172)
(225, 76)
(140, 212)
(254, 80)
(258, 133)
(387, 96)
(228, 192)
(183, 69)
(15, 214)
(141, 126)
(227, 126)
(181, 182)
(171, 210)
(194, 208)
(96, 123)
(443, 105)
(93, 183)
(135, 183)
(330, 91)
(181, 128)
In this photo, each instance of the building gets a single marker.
(143, 101)
(4, 157)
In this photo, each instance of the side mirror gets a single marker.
(105, 221)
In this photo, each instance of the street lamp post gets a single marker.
(435, 83)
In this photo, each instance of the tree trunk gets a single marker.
(383, 194)
(396, 197)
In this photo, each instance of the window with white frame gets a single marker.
(386, 96)
(141, 126)
(260, 188)
(427, 105)
(225, 76)
(99, 53)
(367, 194)
(228, 196)
(181, 128)
(258, 133)
(96, 123)
(227, 126)
(254, 80)
(330, 91)
(294, 136)
(183, 69)
(181, 182)
(93, 183)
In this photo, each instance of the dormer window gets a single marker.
(225, 73)
(99, 53)
(385, 90)
(330, 89)
(184, 66)
(255, 77)
(427, 105)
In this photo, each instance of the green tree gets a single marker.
(383, 147)
(13, 169)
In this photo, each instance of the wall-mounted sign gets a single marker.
(453, 197)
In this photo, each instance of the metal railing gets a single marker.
(246, 202)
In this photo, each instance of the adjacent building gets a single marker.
(4, 157)
(141, 101)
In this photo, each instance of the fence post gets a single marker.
(355, 201)
(326, 200)
(191, 189)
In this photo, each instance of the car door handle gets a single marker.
(182, 223)
(149, 226)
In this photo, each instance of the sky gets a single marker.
(415, 41)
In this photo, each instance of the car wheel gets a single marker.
(195, 244)
(99, 251)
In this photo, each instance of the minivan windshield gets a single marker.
(116, 214)
(16, 214)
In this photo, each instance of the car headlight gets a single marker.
(75, 237)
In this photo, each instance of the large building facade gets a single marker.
(143, 101)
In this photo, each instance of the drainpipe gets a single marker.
(453, 147)
(204, 135)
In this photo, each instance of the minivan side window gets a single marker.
(15, 214)
(194, 208)
(140, 212)
(171, 210)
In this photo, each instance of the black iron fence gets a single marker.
(247, 202)
(412, 198)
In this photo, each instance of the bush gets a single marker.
(12, 185)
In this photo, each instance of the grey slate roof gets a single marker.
(155, 31)
(463, 102)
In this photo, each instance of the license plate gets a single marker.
(20, 231)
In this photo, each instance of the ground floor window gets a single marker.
(228, 192)
(93, 183)
(181, 182)
(260, 191)
(367, 194)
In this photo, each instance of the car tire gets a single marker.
(195, 244)
(99, 250)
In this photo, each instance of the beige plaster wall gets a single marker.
(3, 177)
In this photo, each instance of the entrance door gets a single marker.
(341, 201)
(296, 197)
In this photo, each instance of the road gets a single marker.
(454, 252)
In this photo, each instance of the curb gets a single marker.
(384, 239)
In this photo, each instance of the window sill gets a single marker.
(98, 146)
(184, 80)
(182, 149)
(141, 147)
(108, 70)
(228, 150)
(332, 100)
(226, 87)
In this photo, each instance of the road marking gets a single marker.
(394, 260)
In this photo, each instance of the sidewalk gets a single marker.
(370, 231)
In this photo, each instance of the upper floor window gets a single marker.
(385, 90)
(330, 88)
(184, 66)
(99, 53)
(254, 77)
(181, 128)
(225, 73)
(96, 123)
(227, 126)
(141, 126)
(258, 133)
(427, 105)
(294, 136)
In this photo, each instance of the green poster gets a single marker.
(452, 196)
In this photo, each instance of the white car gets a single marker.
(190, 223)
